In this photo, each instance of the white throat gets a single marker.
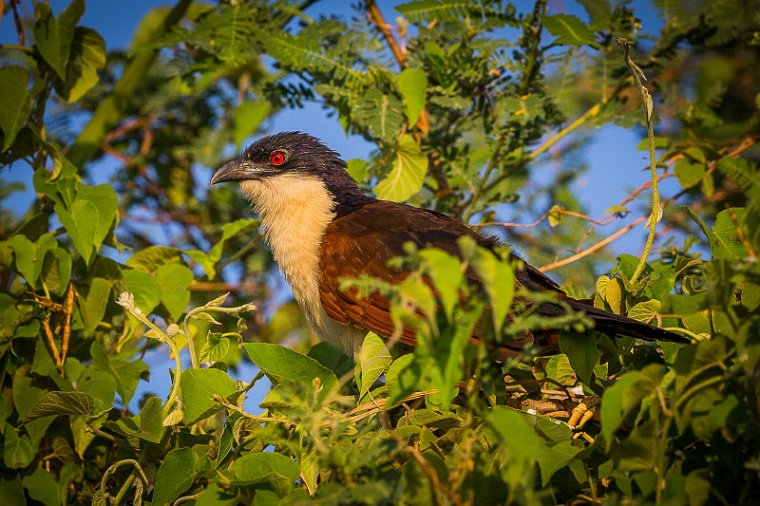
(295, 210)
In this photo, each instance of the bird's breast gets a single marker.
(295, 211)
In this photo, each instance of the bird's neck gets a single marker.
(295, 211)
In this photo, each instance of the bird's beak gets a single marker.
(236, 170)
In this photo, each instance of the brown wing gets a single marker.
(362, 242)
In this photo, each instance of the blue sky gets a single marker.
(615, 165)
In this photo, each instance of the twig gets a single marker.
(647, 104)
(51, 342)
(19, 25)
(68, 308)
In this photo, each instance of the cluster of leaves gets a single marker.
(461, 102)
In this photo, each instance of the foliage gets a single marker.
(463, 101)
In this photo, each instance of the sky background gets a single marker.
(615, 166)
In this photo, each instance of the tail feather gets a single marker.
(617, 324)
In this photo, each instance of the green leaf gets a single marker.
(153, 257)
(144, 287)
(280, 363)
(357, 168)
(88, 56)
(412, 84)
(255, 466)
(15, 102)
(42, 487)
(408, 172)
(498, 279)
(248, 116)
(30, 256)
(103, 197)
(126, 372)
(174, 476)
(520, 440)
(151, 420)
(645, 311)
(198, 389)
(689, 173)
(581, 351)
(558, 368)
(18, 449)
(216, 351)
(569, 30)
(446, 272)
(381, 113)
(174, 280)
(374, 359)
(93, 306)
(54, 35)
(61, 403)
(80, 224)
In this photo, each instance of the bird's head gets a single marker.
(283, 162)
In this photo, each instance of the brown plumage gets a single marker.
(322, 228)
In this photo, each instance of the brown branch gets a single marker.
(49, 336)
(69, 307)
(19, 25)
(377, 19)
(743, 146)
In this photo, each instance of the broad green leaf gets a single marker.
(625, 395)
(215, 351)
(499, 283)
(144, 287)
(56, 270)
(381, 113)
(103, 197)
(8, 317)
(645, 311)
(127, 373)
(153, 257)
(580, 349)
(18, 449)
(254, 467)
(357, 168)
(54, 35)
(61, 403)
(689, 173)
(412, 84)
(174, 476)
(374, 359)
(88, 56)
(447, 275)
(408, 172)
(93, 306)
(81, 225)
(42, 487)
(30, 256)
(15, 102)
(638, 451)
(198, 389)
(569, 30)
(174, 280)
(151, 420)
(558, 368)
(12, 492)
(280, 363)
(613, 295)
(729, 245)
(520, 440)
(248, 117)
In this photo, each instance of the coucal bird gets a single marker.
(322, 227)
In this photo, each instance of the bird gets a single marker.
(322, 227)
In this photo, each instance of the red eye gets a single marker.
(278, 158)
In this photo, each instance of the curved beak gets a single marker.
(236, 170)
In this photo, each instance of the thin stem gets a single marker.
(648, 105)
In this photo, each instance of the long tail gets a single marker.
(616, 324)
